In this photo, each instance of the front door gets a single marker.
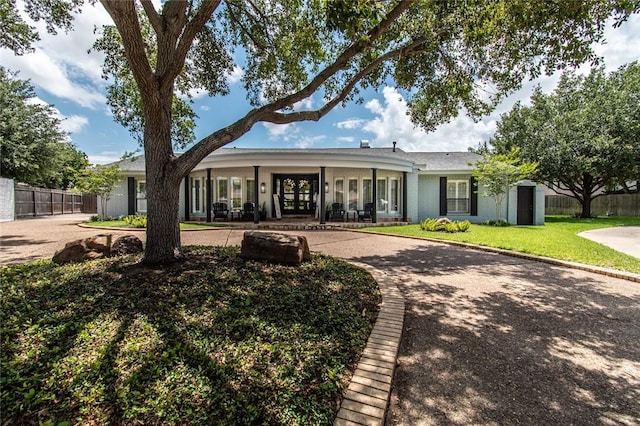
(525, 205)
(296, 193)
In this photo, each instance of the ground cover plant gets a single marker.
(211, 340)
(557, 239)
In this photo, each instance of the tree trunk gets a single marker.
(163, 186)
(587, 195)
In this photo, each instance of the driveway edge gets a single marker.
(614, 273)
(367, 397)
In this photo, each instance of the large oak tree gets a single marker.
(585, 135)
(447, 55)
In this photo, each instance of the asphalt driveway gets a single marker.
(488, 339)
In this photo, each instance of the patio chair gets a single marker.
(248, 210)
(220, 211)
(337, 212)
(366, 214)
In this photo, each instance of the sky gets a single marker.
(67, 77)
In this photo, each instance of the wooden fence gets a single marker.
(606, 205)
(32, 201)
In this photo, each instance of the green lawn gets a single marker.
(211, 340)
(557, 239)
(122, 224)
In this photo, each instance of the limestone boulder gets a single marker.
(275, 247)
(84, 249)
(126, 244)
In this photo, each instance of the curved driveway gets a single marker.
(488, 339)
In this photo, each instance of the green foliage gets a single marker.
(214, 339)
(499, 172)
(585, 135)
(557, 239)
(444, 225)
(496, 223)
(137, 221)
(99, 180)
(33, 148)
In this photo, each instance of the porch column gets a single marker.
(404, 196)
(208, 200)
(374, 189)
(186, 197)
(256, 190)
(322, 194)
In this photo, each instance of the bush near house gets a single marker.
(444, 225)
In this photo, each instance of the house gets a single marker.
(408, 186)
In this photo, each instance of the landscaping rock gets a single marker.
(275, 247)
(126, 244)
(84, 249)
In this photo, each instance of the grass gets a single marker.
(557, 239)
(122, 224)
(211, 340)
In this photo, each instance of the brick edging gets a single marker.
(367, 397)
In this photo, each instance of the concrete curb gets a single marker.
(367, 397)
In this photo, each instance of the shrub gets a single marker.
(496, 223)
(137, 221)
(444, 225)
(94, 218)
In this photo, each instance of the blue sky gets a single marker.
(67, 77)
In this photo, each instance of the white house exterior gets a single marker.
(408, 186)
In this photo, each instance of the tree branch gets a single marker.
(152, 14)
(192, 28)
(125, 17)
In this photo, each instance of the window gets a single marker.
(353, 194)
(251, 191)
(222, 195)
(197, 195)
(367, 193)
(236, 193)
(382, 200)
(338, 196)
(394, 199)
(457, 196)
(141, 197)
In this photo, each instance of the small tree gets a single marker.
(99, 180)
(498, 173)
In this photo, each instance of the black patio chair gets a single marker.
(220, 211)
(366, 213)
(248, 210)
(337, 212)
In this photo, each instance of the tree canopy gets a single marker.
(585, 135)
(447, 56)
(99, 180)
(33, 148)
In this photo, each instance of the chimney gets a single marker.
(364, 143)
(394, 146)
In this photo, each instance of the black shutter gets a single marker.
(187, 201)
(473, 185)
(443, 196)
(131, 192)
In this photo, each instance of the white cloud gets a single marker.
(309, 141)
(345, 139)
(351, 123)
(60, 64)
(236, 75)
(74, 123)
(280, 130)
(105, 157)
